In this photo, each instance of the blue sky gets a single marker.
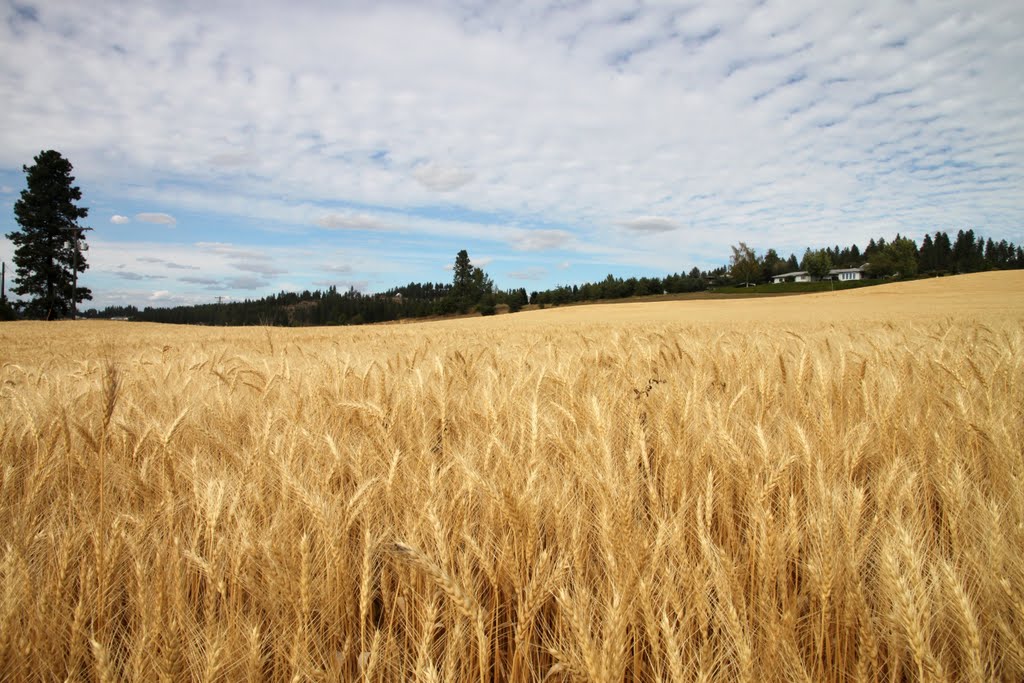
(236, 149)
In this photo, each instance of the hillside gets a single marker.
(977, 294)
(821, 488)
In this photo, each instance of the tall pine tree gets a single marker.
(46, 248)
(926, 255)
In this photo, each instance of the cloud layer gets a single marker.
(608, 135)
(650, 224)
(158, 218)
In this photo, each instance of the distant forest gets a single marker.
(472, 291)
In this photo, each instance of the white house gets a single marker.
(847, 273)
(841, 274)
(795, 276)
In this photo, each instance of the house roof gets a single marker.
(833, 271)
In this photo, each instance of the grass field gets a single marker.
(800, 287)
(815, 488)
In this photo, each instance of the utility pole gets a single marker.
(77, 239)
(219, 299)
(3, 282)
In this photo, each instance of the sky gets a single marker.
(237, 149)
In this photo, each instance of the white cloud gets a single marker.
(650, 224)
(356, 221)
(540, 240)
(196, 280)
(227, 249)
(228, 159)
(118, 219)
(131, 275)
(257, 266)
(158, 218)
(246, 282)
(242, 258)
(166, 263)
(6, 189)
(441, 178)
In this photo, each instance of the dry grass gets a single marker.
(787, 490)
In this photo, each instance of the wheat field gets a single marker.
(816, 488)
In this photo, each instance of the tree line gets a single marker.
(472, 291)
(49, 256)
(902, 257)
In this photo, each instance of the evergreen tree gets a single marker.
(463, 283)
(968, 254)
(517, 298)
(46, 254)
(470, 286)
(991, 254)
(771, 265)
(463, 270)
(943, 251)
(483, 285)
(926, 255)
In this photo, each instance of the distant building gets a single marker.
(848, 273)
(795, 276)
(841, 274)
